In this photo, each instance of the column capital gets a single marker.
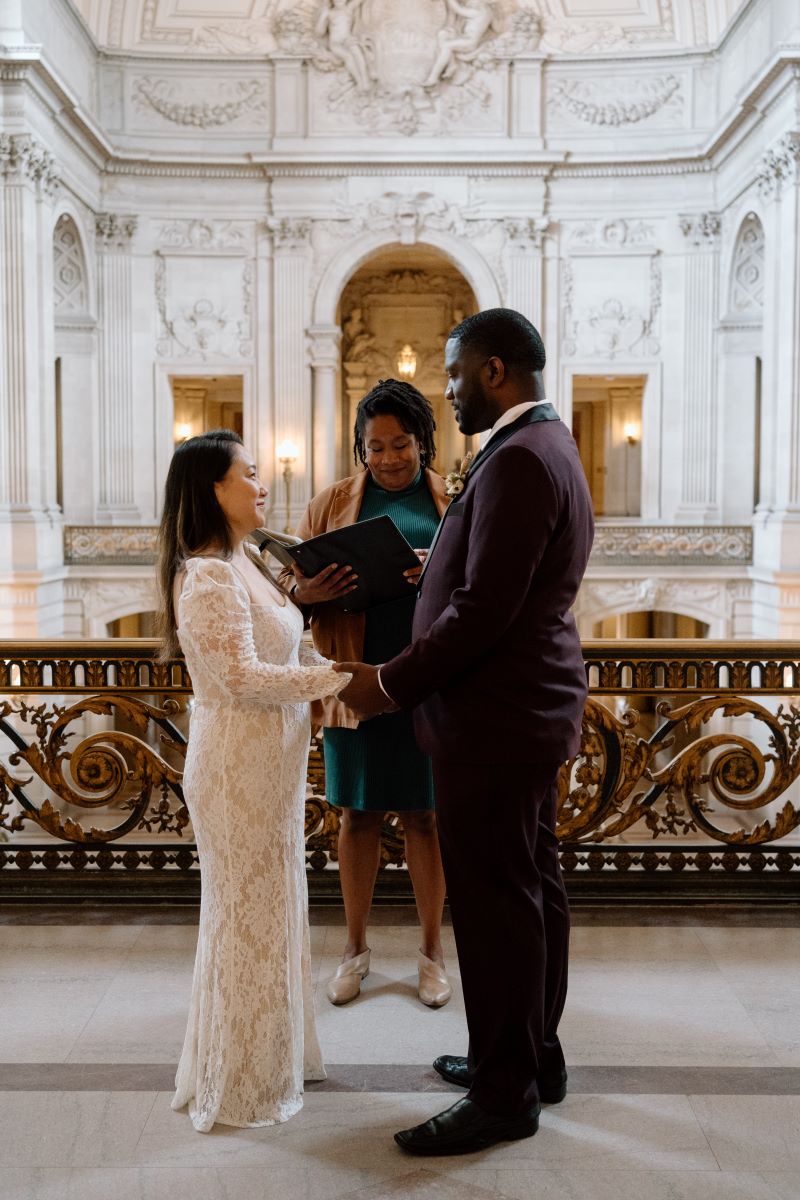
(526, 233)
(780, 164)
(701, 230)
(24, 159)
(115, 230)
(324, 342)
(290, 233)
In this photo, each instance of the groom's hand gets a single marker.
(363, 693)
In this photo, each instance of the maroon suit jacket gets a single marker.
(495, 669)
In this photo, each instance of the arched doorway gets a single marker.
(395, 313)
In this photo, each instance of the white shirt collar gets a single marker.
(511, 414)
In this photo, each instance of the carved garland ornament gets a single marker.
(577, 98)
(157, 94)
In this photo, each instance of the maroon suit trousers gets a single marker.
(510, 919)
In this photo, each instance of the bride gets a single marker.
(251, 1038)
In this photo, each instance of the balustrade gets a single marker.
(686, 782)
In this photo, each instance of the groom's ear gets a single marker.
(495, 371)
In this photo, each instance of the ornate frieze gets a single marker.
(22, 158)
(188, 103)
(204, 235)
(587, 102)
(701, 230)
(672, 545)
(611, 234)
(115, 231)
(780, 164)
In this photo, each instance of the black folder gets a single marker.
(375, 549)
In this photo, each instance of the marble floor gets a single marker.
(681, 1031)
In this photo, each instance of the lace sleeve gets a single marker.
(309, 657)
(214, 612)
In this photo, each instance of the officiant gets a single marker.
(377, 767)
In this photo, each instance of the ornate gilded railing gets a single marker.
(688, 774)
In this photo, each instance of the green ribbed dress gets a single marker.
(379, 767)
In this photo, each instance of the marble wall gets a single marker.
(201, 209)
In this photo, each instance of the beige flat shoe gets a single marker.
(434, 987)
(345, 985)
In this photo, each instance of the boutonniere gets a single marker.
(455, 482)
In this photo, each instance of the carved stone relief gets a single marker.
(22, 158)
(654, 594)
(747, 271)
(406, 218)
(194, 103)
(420, 67)
(215, 322)
(205, 235)
(71, 296)
(702, 230)
(611, 327)
(779, 165)
(604, 103)
(610, 234)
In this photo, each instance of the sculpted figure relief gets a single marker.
(461, 45)
(336, 23)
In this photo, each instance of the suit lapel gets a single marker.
(542, 412)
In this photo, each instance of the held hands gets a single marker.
(413, 573)
(331, 583)
(363, 693)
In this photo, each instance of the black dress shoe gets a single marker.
(453, 1068)
(464, 1128)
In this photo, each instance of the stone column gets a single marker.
(777, 522)
(292, 409)
(30, 533)
(116, 504)
(699, 493)
(524, 265)
(324, 343)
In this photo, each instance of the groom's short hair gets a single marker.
(502, 333)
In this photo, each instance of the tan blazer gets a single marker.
(339, 635)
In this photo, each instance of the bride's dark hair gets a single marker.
(192, 519)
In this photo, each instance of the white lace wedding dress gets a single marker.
(251, 1038)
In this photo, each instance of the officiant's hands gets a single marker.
(413, 573)
(364, 693)
(330, 584)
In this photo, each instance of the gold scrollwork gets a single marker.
(108, 768)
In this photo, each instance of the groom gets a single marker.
(496, 675)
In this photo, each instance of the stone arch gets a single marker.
(324, 332)
(464, 257)
(746, 276)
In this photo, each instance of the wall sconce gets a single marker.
(183, 432)
(630, 432)
(287, 453)
(407, 362)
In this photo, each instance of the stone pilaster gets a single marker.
(30, 536)
(116, 503)
(292, 413)
(324, 343)
(524, 265)
(777, 522)
(699, 494)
